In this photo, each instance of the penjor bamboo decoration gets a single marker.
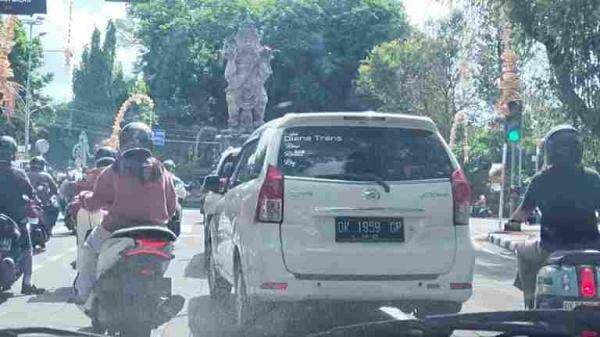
(8, 87)
(136, 99)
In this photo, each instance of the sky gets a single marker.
(88, 14)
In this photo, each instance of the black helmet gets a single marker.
(135, 135)
(37, 163)
(563, 146)
(104, 161)
(8, 148)
(105, 152)
(169, 165)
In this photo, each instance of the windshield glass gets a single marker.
(356, 153)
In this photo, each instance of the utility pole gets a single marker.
(503, 186)
(510, 107)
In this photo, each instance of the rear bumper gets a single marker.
(262, 263)
(379, 288)
(367, 291)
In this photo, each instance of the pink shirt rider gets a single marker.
(130, 201)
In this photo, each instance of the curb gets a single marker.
(503, 242)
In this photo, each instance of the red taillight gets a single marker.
(147, 251)
(149, 247)
(587, 282)
(461, 194)
(461, 286)
(156, 244)
(269, 207)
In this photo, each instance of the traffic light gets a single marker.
(512, 124)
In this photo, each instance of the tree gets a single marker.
(99, 85)
(18, 59)
(318, 43)
(422, 75)
(569, 31)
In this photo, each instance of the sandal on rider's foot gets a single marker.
(32, 290)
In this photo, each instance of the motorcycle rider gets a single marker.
(103, 157)
(16, 185)
(180, 190)
(568, 196)
(45, 188)
(135, 190)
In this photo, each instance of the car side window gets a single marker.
(245, 170)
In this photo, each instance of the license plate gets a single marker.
(5, 244)
(572, 305)
(369, 229)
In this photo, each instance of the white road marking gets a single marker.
(397, 313)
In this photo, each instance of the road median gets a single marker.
(510, 240)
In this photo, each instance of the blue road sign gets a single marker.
(158, 137)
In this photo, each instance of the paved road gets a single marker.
(493, 291)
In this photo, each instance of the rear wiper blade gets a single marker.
(541, 322)
(14, 332)
(358, 176)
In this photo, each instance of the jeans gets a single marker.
(27, 258)
(88, 260)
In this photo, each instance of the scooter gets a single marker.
(568, 281)
(131, 293)
(11, 253)
(39, 230)
(181, 190)
(49, 205)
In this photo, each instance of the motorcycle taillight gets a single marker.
(149, 247)
(587, 282)
(156, 244)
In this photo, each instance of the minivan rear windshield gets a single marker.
(361, 153)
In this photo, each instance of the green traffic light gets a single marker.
(514, 135)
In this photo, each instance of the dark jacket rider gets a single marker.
(567, 195)
(15, 185)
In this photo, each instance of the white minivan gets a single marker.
(359, 206)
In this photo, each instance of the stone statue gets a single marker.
(248, 68)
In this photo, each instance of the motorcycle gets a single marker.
(40, 233)
(49, 205)
(481, 212)
(131, 291)
(11, 253)
(568, 281)
(182, 190)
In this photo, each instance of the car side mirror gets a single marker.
(212, 183)
(223, 182)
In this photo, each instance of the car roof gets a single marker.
(349, 118)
